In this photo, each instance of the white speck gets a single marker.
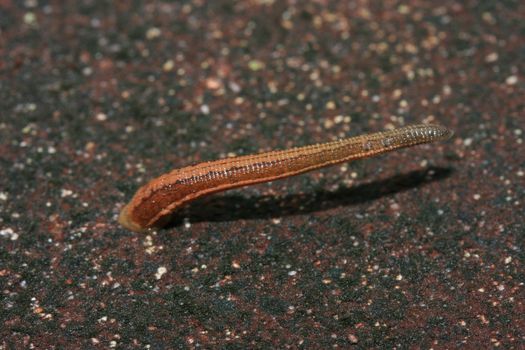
(399, 277)
(491, 57)
(501, 287)
(65, 193)
(467, 142)
(187, 223)
(236, 265)
(153, 33)
(168, 65)
(160, 272)
(512, 80)
(26, 108)
(508, 260)
(328, 124)
(9, 233)
(112, 344)
(518, 132)
(30, 18)
(292, 273)
(51, 150)
(148, 241)
(276, 221)
(234, 87)
(481, 290)
(477, 196)
(440, 212)
(101, 117)
(205, 109)
(3, 196)
(353, 339)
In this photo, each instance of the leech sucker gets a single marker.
(154, 202)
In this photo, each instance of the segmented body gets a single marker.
(160, 197)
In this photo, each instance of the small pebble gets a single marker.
(168, 66)
(256, 65)
(491, 57)
(101, 117)
(467, 142)
(9, 233)
(160, 272)
(352, 338)
(153, 33)
(512, 80)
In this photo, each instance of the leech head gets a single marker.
(125, 220)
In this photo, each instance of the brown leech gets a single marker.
(154, 202)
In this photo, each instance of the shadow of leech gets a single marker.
(232, 207)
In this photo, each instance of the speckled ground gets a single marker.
(422, 247)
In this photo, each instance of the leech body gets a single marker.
(156, 200)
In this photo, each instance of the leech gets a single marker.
(153, 203)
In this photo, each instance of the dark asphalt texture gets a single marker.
(421, 248)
